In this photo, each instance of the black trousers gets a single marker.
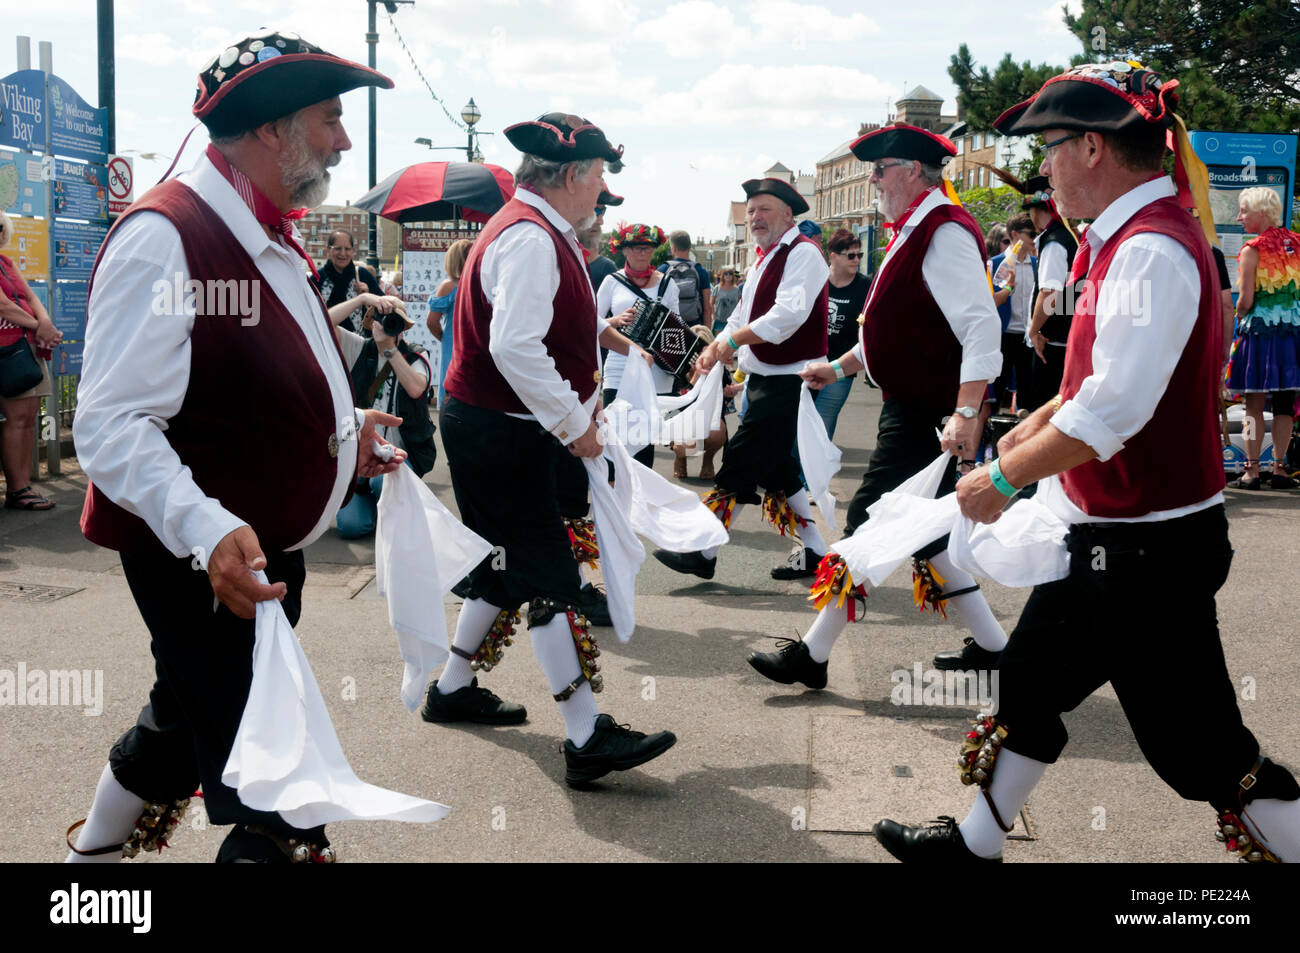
(1047, 377)
(758, 454)
(204, 665)
(905, 445)
(1137, 610)
(504, 473)
(1017, 370)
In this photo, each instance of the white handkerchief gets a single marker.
(699, 410)
(819, 457)
(421, 551)
(638, 422)
(1025, 547)
(621, 553)
(286, 756)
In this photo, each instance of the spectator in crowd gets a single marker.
(1049, 331)
(441, 304)
(598, 266)
(1013, 292)
(996, 241)
(691, 279)
(342, 279)
(23, 321)
(725, 298)
(392, 376)
(848, 296)
(1266, 353)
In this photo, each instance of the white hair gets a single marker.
(547, 174)
(1262, 199)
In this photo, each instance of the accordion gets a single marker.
(667, 338)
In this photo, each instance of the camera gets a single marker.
(393, 324)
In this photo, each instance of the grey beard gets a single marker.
(585, 224)
(312, 192)
(308, 182)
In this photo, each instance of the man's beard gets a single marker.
(304, 175)
(585, 224)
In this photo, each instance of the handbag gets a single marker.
(19, 370)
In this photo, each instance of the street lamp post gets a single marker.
(471, 114)
(372, 40)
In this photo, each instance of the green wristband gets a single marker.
(999, 481)
(731, 343)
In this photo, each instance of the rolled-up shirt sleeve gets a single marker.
(1146, 308)
(804, 277)
(1053, 267)
(958, 280)
(523, 276)
(134, 378)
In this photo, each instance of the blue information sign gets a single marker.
(67, 357)
(75, 248)
(69, 311)
(77, 129)
(22, 191)
(1238, 161)
(42, 291)
(22, 110)
(80, 190)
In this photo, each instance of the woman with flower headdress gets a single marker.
(1266, 353)
(620, 292)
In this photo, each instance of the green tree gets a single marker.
(983, 96)
(1237, 64)
(991, 206)
(661, 255)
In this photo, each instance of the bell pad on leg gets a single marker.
(542, 611)
(582, 538)
(488, 654)
(156, 823)
(834, 584)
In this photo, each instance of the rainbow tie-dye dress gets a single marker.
(1266, 351)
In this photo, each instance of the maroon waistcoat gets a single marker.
(472, 376)
(1175, 460)
(256, 392)
(809, 341)
(911, 350)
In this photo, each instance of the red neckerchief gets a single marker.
(760, 252)
(263, 209)
(1082, 259)
(638, 276)
(897, 227)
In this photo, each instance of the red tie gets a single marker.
(263, 209)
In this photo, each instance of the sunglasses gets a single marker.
(851, 255)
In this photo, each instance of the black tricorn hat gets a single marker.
(608, 198)
(1101, 97)
(902, 141)
(268, 75)
(782, 189)
(561, 137)
(1037, 192)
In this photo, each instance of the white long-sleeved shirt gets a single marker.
(1146, 308)
(614, 297)
(958, 281)
(520, 273)
(137, 367)
(805, 275)
(1053, 270)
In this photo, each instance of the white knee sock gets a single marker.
(823, 633)
(553, 645)
(1014, 776)
(1276, 825)
(712, 551)
(810, 534)
(476, 618)
(111, 820)
(972, 608)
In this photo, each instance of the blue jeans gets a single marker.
(361, 514)
(829, 400)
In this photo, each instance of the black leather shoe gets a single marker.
(969, 658)
(613, 747)
(789, 664)
(690, 564)
(594, 605)
(940, 843)
(471, 703)
(801, 566)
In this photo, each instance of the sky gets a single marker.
(702, 94)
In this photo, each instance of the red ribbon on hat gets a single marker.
(264, 210)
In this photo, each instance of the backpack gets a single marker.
(687, 280)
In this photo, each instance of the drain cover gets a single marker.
(27, 592)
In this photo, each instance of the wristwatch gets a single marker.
(970, 413)
(388, 355)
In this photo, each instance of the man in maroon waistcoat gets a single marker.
(523, 388)
(208, 351)
(1128, 454)
(930, 339)
(778, 327)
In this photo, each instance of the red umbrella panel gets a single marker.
(441, 191)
